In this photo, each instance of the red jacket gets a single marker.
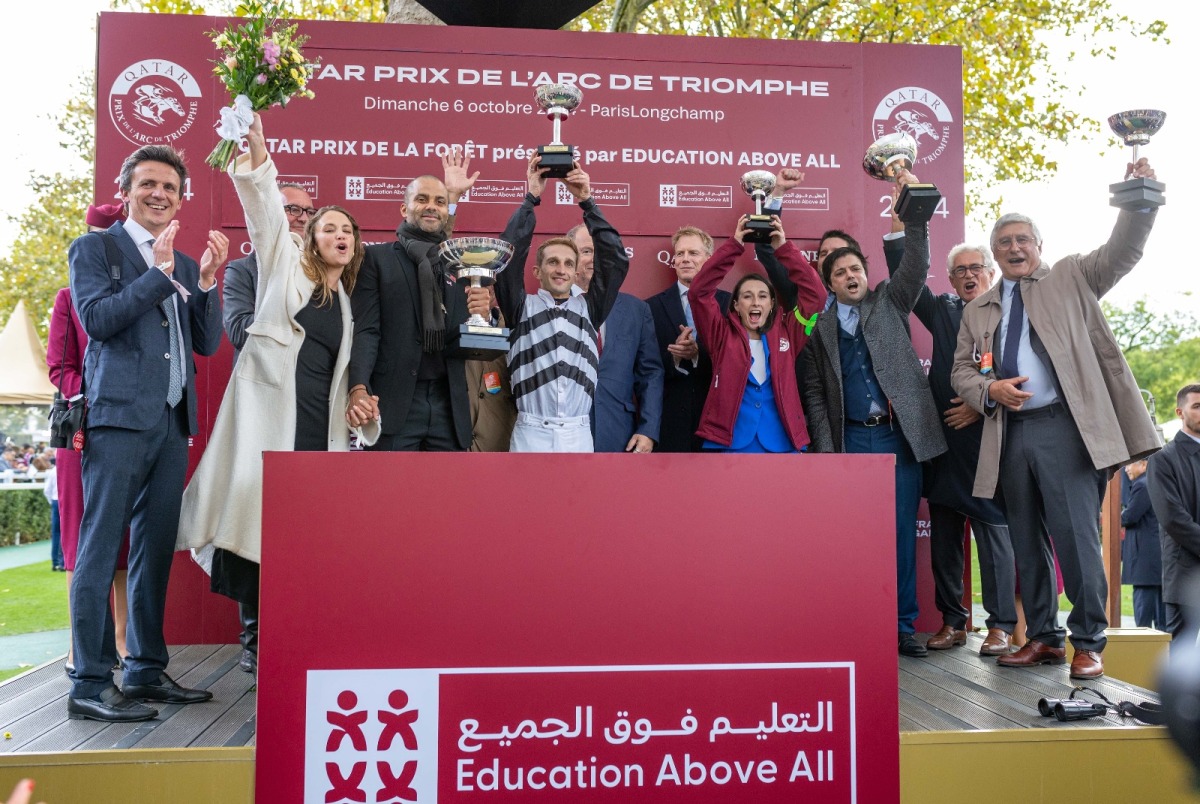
(728, 343)
(66, 365)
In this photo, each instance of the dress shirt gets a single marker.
(1040, 382)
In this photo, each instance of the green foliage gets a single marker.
(1012, 99)
(1162, 349)
(347, 10)
(32, 599)
(23, 511)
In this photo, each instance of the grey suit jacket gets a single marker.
(238, 292)
(884, 317)
(126, 366)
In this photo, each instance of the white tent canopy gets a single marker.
(24, 377)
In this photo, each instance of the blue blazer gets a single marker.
(125, 373)
(629, 388)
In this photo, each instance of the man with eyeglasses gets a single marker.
(238, 291)
(948, 476)
(1062, 412)
(241, 276)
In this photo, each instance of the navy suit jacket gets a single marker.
(683, 394)
(629, 389)
(125, 373)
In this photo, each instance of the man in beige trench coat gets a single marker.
(1062, 413)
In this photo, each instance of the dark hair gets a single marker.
(1182, 396)
(556, 241)
(151, 153)
(837, 254)
(850, 241)
(770, 289)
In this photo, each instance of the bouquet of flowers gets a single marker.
(261, 65)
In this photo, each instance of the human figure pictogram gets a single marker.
(398, 722)
(347, 723)
(347, 788)
(399, 787)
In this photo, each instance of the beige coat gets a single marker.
(1063, 305)
(222, 505)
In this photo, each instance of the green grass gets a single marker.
(32, 598)
(5, 675)
(1063, 603)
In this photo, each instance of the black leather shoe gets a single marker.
(165, 690)
(909, 646)
(248, 662)
(110, 706)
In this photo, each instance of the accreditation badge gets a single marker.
(491, 382)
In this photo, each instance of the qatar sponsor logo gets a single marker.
(154, 102)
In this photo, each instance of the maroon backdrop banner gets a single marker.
(666, 128)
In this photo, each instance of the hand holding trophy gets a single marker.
(885, 159)
(557, 101)
(1136, 127)
(475, 261)
(758, 184)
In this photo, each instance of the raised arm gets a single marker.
(510, 284)
(702, 294)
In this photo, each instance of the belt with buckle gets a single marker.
(874, 421)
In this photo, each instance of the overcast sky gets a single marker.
(1072, 211)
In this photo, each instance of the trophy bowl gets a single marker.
(889, 154)
(758, 183)
(1137, 126)
(476, 260)
(554, 97)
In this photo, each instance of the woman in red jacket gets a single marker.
(753, 404)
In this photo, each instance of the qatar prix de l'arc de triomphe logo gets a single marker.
(154, 102)
(921, 114)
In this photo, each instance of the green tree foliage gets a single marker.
(347, 10)
(1014, 103)
(37, 265)
(1163, 350)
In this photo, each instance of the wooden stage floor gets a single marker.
(954, 690)
(959, 690)
(33, 709)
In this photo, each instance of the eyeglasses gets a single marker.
(1020, 240)
(296, 210)
(974, 269)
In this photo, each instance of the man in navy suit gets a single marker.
(687, 368)
(145, 308)
(628, 404)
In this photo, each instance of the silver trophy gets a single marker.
(1136, 127)
(758, 184)
(475, 261)
(558, 101)
(885, 158)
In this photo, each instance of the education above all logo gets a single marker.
(154, 102)
(921, 114)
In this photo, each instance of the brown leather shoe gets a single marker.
(1087, 664)
(947, 638)
(1033, 653)
(997, 643)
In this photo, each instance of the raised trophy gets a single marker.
(1136, 127)
(558, 101)
(886, 157)
(475, 262)
(758, 184)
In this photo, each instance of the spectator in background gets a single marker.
(50, 492)
(66, 343)
(1173, 478)
(1141, 553)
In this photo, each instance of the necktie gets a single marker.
(175, 386)
(852, 321)
(1012, 338)
(687, 313)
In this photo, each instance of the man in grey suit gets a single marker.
(238, 292)
(627, 409)
(1173, 478)
(865, 391)
(145, 308)
(1062, 412)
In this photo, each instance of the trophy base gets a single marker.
(759, 229)
(559, 158)
(1137, 194)
(479, 343)
(917, 203)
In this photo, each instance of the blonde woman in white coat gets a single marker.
(289, 386)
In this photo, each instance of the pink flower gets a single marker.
(261, 78)
(270, 52)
